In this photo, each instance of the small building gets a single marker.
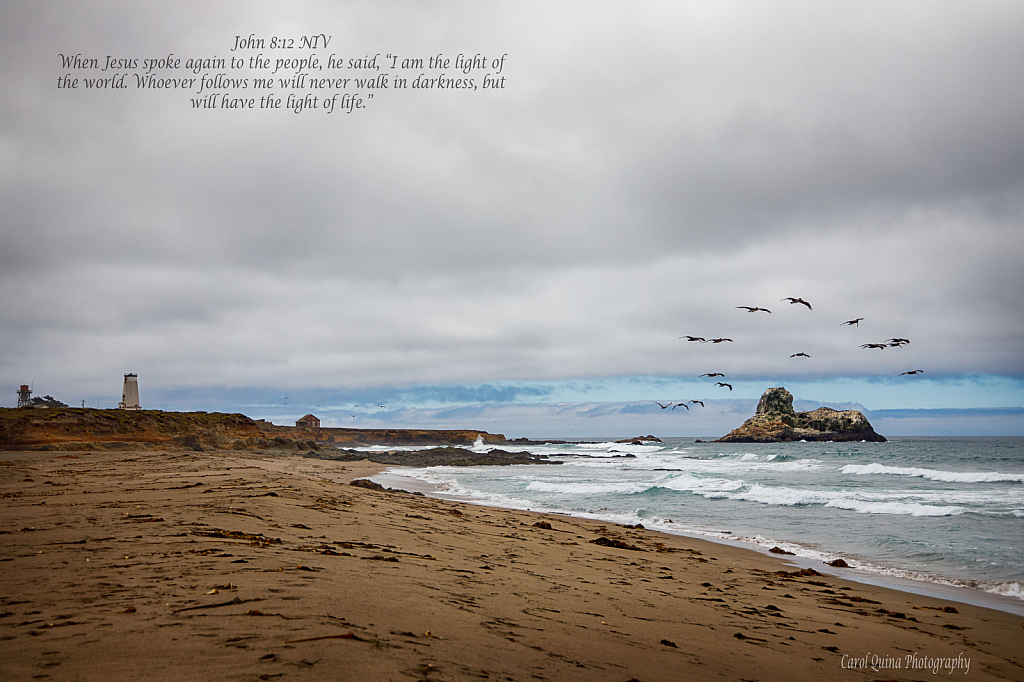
(308, 422)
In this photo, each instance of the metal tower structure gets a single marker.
(24, 396)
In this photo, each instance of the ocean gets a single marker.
(939, 511)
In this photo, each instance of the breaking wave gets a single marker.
(934, 474)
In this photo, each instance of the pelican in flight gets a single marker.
(913, 371)
(712, 375)
(754, 309)
(881, 346)
(854, 322)
(698, 402)
(694, 338)
(728, 386)
(680, 405)
(799, 355)
(663, 406)
(721, 340)
(898, 343)
(798, 300)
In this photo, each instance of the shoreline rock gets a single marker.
(447, 456)
(640, 440)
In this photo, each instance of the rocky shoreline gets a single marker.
(444, 456)
(78, 430)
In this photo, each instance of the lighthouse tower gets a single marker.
(130, 394)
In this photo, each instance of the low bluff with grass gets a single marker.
(86, 429)
(776, 422)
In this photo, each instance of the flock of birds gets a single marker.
(896, 342)
(379, 406)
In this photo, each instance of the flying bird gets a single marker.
(712, 375)
(913, 371)
(853, 322)
(881, 346)
(694, 338)
(728, 386)
(699, 402)
(753, 309)
(663, 406)
(898, 343)
(681, 405)
(721, 340)
(798, 300)
(799, 355)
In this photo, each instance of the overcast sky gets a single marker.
(647, 168)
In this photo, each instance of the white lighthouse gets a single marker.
(130, 394)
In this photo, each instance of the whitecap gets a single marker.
(704, 486)
(577, 488)
(908, 508)
(1008, 589)
(790, 497)
(934, 474)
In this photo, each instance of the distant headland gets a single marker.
(71, 428)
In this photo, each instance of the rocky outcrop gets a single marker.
(640, 440)
(350, 437)
(776, 422)
(434, 457)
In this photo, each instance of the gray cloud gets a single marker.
(645, 172)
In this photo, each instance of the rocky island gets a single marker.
(776, 422)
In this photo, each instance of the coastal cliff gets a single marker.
(775, 421)
(84, 429)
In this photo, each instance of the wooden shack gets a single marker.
(308, 422)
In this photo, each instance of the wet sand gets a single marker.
(235, 566)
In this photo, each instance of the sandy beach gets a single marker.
(240, 566)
